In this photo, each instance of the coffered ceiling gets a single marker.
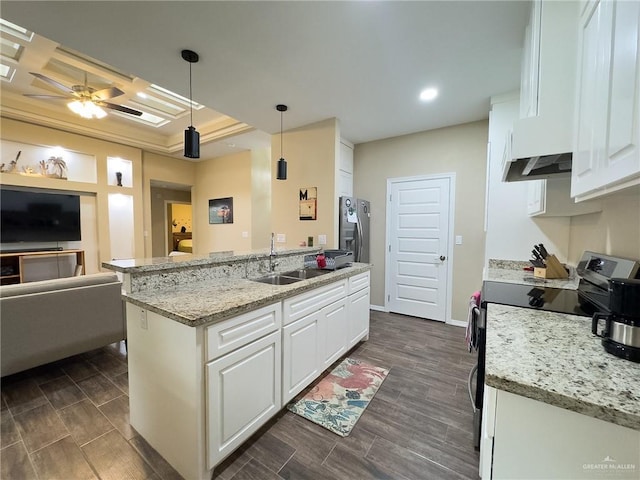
(364, 63)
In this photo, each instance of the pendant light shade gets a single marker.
(191, 135)
(282, 163)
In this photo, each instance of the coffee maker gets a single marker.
(621, 335)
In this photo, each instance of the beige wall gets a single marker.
(260, 198)
(227, 176)
(614, 231)
(97, 243)
(461, 149)
(311, 153)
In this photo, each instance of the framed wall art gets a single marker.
(308, 203)
(221, 210)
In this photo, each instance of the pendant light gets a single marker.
(191, 135)
(282, 163)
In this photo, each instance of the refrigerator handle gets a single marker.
(360, 240)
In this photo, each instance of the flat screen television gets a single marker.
(29, 216)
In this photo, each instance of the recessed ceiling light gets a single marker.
(142, 95)
(428, 94)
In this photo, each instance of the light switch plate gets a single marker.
(281, 238)
(245, 234)
(322, 239)
(458, 239)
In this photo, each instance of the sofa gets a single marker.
(44, 321)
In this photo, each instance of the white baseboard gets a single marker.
(458, 323)
(378, 308)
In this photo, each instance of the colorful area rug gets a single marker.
(339, 399)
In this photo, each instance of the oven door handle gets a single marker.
(471, 374)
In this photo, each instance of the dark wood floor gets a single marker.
(69, 420)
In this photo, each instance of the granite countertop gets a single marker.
(157, 264)
(203, 302)
(554, 358)
(511, 271)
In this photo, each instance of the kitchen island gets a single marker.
(557, 405)
(213, 354)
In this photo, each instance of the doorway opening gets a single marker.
(171, 219)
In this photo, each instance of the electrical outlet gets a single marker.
(281, 238)
(458, 239)
(143, 320)
(322, 239)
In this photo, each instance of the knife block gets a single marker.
(553, 269)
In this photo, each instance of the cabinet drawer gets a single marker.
(238, 331)
(306, 303)
(358, 282)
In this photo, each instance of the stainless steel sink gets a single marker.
(293, 276)
(305, 273)
(277, 279)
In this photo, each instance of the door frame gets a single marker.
(449, 264)
(168, 224)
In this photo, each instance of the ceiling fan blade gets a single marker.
(120, 108)
(46, 97)
(51, 81)
(107, 93)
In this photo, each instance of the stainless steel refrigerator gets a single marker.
(355, 215)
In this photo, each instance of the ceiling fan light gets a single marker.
(86, 109)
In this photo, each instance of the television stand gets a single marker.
(35, 250)
(12, 263)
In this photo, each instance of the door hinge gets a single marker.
(389, 197)
(388, 298)
(389, 247)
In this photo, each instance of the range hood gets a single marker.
(540, 144)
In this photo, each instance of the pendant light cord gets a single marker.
(190, 95)
(281, 135)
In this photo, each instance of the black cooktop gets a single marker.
(573, 302)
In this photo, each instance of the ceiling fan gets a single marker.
(88, 102)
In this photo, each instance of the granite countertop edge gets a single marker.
(214, 311)
(555, 359)
(165, 264)
(601, 412)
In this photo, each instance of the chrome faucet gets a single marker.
(272, 254)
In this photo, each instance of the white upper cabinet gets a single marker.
(606, 155)
(531, 64)
(345, 170)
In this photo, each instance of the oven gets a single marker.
(591, 297)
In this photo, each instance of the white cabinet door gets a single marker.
(358, 316)
(530, 72)
(606, 154)
(533, 439)
(333, 332)
(591, 128)
(623, 155)
(536, 192)
(300, 355)
(243, 392)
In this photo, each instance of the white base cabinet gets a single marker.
(243, 392)
(333, 332)
(525, 439)
(300, 355)
(197, 393)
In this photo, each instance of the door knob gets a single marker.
(442, 258)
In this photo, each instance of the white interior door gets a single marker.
(418, 220)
